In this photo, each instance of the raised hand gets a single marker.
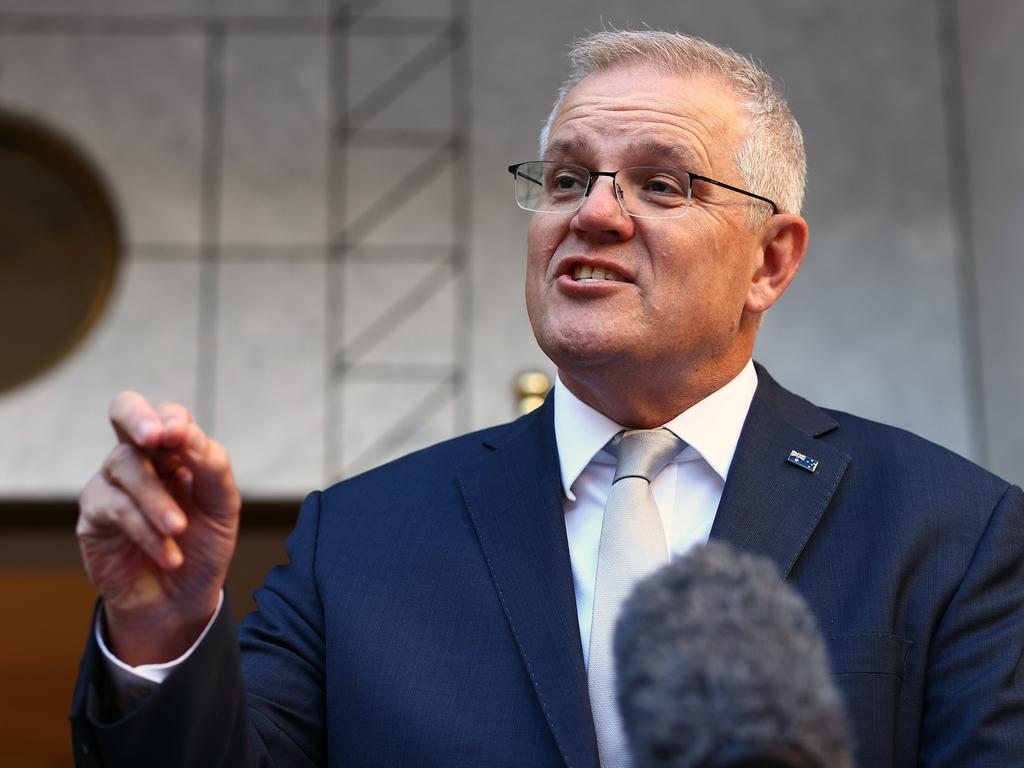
(157, 527)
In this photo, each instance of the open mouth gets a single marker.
(585, 273)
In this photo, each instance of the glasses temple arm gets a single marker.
(775, 208)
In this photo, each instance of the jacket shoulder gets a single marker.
(886, 451)
(879, 453)
(437, 463)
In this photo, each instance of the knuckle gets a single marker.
(120, 511)
(90, 499)
(119, 460)
(91, 487)
(82, 524)
(86, 512)
(86, 528)
(99, 506)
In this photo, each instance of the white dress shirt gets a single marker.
(687, 491)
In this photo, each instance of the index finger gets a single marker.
(134, 420)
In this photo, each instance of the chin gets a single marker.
(570, 351)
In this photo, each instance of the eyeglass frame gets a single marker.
(594, 175)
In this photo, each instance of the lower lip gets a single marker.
(588, 288)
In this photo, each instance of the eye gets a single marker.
(652, 190)
(664, 186)
(565, 180)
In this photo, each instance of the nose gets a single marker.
(602, 214)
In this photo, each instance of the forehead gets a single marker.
(639, 114)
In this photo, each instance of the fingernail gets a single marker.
(175, 558)
(173, 520)
(146, 429)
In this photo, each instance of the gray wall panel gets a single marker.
(270, 369)
(145, 131)
(993, 71)
(275, 139)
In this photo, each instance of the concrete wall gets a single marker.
(315, 342)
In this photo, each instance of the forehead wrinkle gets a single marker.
(658, 139)
(659, 152)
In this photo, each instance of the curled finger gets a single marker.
(117, 511)
(129, 469)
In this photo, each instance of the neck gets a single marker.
(649, 399)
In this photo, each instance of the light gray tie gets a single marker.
(632, 546)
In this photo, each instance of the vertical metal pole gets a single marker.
(951, 60)
(209, 263)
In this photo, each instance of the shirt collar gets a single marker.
(711, 427)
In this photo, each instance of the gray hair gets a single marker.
(771, 159)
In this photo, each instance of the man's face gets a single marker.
(677, 300)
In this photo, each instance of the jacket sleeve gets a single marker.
(974, 697)
(203, 713)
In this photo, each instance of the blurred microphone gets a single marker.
(719, 664)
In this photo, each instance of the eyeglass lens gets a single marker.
(646, 191)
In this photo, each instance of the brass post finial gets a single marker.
(531, 388)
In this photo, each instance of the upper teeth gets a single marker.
(585, 272)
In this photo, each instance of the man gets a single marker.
(449, 608)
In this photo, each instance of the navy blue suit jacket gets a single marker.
(427, 616)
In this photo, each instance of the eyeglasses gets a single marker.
(645, 192)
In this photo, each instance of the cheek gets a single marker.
(677, 262)
(538, 254)
(542, 238)
(695, 275)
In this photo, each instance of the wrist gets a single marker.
(139, 638)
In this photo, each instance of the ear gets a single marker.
(781, 252)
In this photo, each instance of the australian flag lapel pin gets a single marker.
(804, 462)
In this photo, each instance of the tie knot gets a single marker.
(644, 452)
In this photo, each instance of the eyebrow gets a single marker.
(568, 149)
(675, 154)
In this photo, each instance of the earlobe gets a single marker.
(782, 248)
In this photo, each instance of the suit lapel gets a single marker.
(513, 494)
(771, 506)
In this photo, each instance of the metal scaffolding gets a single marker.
(411, 149)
